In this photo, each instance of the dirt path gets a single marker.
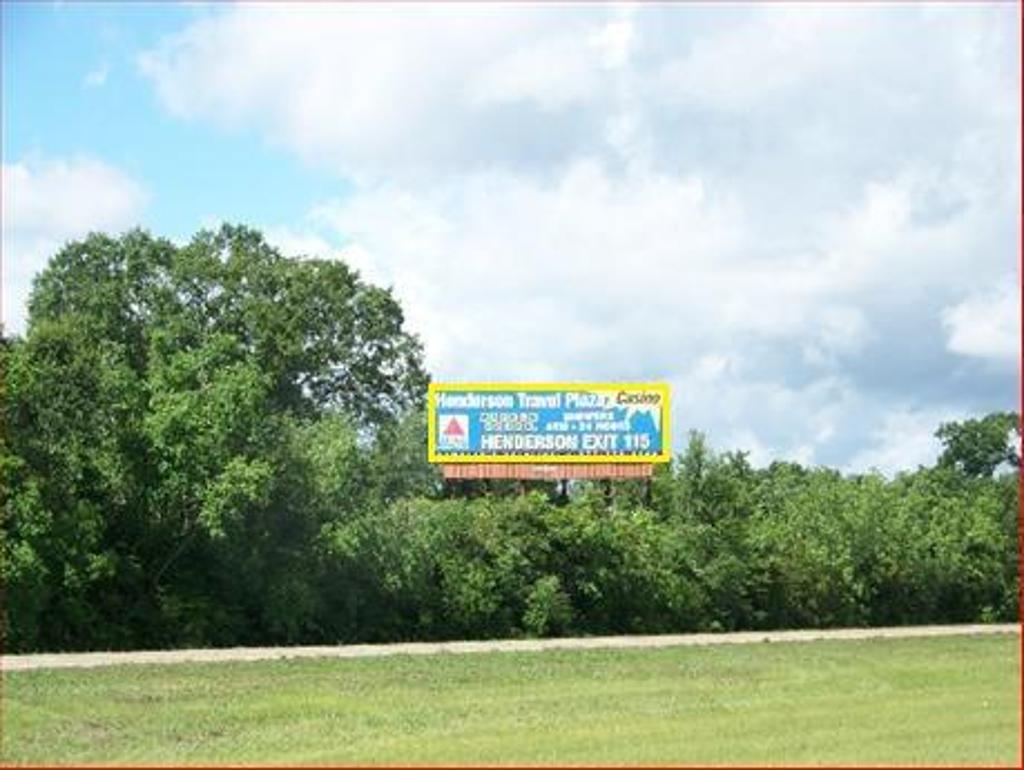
(91, 659)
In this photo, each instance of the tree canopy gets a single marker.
(211, 444)
(161, 412)
(979, 446)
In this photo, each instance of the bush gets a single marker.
(548, 610)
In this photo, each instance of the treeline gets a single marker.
(210, 444)
(724, 547)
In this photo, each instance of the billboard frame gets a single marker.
(663, 456)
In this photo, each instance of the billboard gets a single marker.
(502, 422)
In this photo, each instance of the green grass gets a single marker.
(948, 700)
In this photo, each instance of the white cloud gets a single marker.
(371, 88)
(780, 209)
(640, 276)
(48, 202)
(554, 73)
(296, 243)
(602, 260)
(643, 276)
(305, 243)
(616, 40)
(572, 266)
(904, 440)
(987, 324)
(374, 89)
(773, 51)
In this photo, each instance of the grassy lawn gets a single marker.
(939, 701)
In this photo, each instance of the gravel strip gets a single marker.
(93, 659)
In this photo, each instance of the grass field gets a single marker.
(908, 701)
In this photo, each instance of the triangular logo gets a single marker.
(454, 429)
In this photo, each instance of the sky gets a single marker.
(804, 218)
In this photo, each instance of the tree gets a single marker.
(212, 444)
(75, 482)
(323, 337)
(977, 447)
(168, 416)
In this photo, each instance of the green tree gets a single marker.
(75, 486)
(323, 337)
(212, 444)
(978, 447)
(172, 418)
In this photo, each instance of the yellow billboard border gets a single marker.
(544, 387)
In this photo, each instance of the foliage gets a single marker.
(213, 445)
(180, 424)
(979, 447)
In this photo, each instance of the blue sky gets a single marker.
(53, 108)
(805, 218)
